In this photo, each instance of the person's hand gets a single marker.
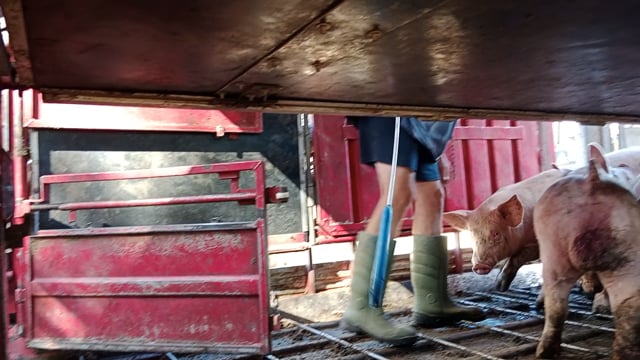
(445, 168)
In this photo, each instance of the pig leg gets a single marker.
(540, 301)
(591, 286)
(556, 286)
(513, 264)
(625, 303)
(627, 342)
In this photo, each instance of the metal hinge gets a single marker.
(19, 294)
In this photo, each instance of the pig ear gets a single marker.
(596, 153)
(457, 219)
(593, 176)
(511, 210)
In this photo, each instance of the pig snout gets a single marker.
(481, 268)
(481, 264)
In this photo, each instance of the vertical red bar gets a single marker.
(457, 196)
(353, 177)
(260, 186)
(502, 158)
(331, 171)
(4, 311)
(18, 154)
(528, 150)
(263, 257)
(263, 291)
(478, 167)
(26, 268)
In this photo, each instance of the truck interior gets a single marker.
(174, 175)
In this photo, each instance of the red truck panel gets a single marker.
(181, 288)
(194, 288)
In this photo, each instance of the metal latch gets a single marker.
(277, 194)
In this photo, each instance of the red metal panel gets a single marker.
(485, 155)
(478, 166)
(529, 150)
(104, 117)
(183, 288)
(332, 169)
(189, 288)
(347, 191)
(502, 155)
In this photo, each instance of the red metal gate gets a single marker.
(485, 155)
(39, 115)
(182, 288)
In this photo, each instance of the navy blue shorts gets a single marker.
(376, 145)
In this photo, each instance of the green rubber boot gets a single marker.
(359, 316)
(429, 270)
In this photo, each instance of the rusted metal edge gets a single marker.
(143, 345)
(14, 16)
(534, 338)
(514, 298)
(459, 347)
(100, 97)
(534, 295)
(337, 340)
(529, 314)
(144, 229)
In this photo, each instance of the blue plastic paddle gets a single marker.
(379, 271)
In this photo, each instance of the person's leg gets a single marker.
(359, 316)
(427, 212)
(430, 258)
(401, 197)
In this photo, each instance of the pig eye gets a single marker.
(495, 235)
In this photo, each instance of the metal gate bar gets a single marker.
(569, 322)
(519, 301)
(529, 337)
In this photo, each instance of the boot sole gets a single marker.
(430, 321)
(397, 342)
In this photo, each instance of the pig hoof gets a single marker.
(502, 286)
(546, 352)
(601, 309)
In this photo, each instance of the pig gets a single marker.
(591, 223)
(502, 226)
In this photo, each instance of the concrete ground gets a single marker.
(329, 305)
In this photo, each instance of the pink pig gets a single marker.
(591, 223)
(502, 226)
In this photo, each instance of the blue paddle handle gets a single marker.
(380, 265)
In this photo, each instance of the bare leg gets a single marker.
(401, 197)
(429, 202)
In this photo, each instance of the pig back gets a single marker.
(593, 224)
(528, 190)
(629, 157)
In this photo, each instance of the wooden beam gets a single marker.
(14, 16)
(214, 101)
